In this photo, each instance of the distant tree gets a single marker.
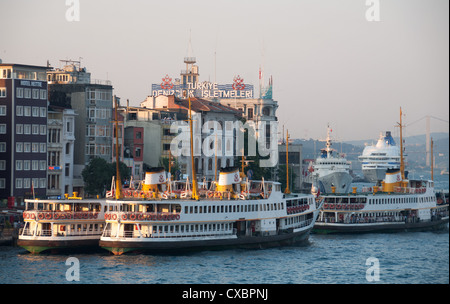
(97, 175)
(124, 171)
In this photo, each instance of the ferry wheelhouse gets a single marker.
(56, 225)
(413, 206)
(234, 212)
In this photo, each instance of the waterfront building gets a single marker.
(60, 147)
(92, 100)
(23, 132)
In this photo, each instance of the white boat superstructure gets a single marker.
(331, 171)
(236, 213)
(62, 224)
(376, 159)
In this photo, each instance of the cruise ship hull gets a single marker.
(341, 180)
(240, 242)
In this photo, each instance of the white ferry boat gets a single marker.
(331, 172)
(57, 225)
(234, 213)
(396, 206)
(376, 159)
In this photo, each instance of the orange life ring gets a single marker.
(132, 216)
(124, 217)
(48, 216)
(177, 217)
(114, 216)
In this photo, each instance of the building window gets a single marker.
(26, 165)
(250, 113)
(19, 92)
(42, 183)
(26, 183)
(43, 130)
(27, 111)
(19, 129)
(2, 165)
(5, 73)
(35, 129)
(35, 111)
(19, 147)
(35, 93)
(2, 110)
(2, 92)
(43, 94)
(43, 147)
(26, 129)
(43, 111)
(27, 147)
(2, 128)
(2, 183)
(2, 147)
(35, 165)
(19, 165)
(19, 110)
(42, 165)
(35, 148)
(138, 152)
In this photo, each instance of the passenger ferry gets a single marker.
(234, 212)
(394, 204)
(58, 225)
(411, 206)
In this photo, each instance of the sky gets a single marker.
(329, 62)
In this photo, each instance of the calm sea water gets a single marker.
(407, 258)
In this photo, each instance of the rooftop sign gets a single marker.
(206, 89)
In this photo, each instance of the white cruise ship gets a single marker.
(331, 171)
(376, 159)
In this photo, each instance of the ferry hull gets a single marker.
(245, 242)
(326, 228)
(40, 246)
(341, 180)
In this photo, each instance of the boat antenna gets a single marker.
(194, 175)
(287, 191)
(118, 193)
(402, 163)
